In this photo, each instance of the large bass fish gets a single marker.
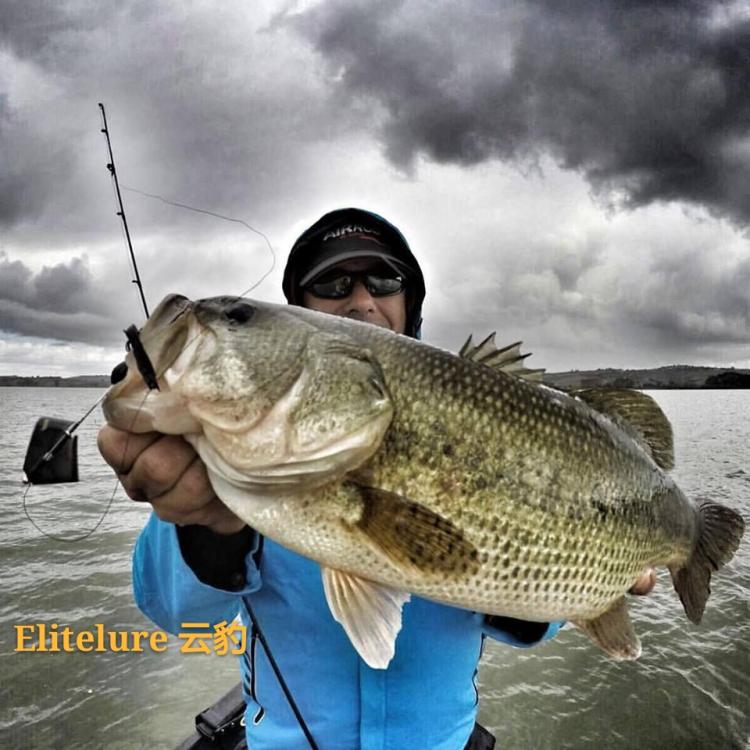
(403, 468)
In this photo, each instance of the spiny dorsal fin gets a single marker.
(508, 359)
(639, 415)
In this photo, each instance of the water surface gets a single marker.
(690, 689)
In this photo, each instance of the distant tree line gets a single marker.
(53, 381)
(729, 379)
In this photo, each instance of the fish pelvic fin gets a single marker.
(613, 632)
(639, 415)
(413, 536)
(721, 530)
(370, 614)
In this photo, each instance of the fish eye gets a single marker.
(240, 312)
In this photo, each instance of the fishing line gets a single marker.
(74, 539)
(218, 216)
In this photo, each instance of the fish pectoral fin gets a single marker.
(613, 632)
(369, 613)
(414, 536)
(639, 415)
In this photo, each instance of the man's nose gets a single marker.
(360, 299)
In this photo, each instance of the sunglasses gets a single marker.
(339, 283)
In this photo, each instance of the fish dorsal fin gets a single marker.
(639, 415)
(369, 613)
(613, 632)
(413, 536)
(508, 359)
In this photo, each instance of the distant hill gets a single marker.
(672, 376)
(45, 381)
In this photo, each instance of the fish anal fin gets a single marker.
(413, 536)
(369, 613)
(613, 632)
(639, 415)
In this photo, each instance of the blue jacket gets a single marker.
(426, 698)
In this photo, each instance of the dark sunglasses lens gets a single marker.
(380, 283)
(332, 287)
(381, 286)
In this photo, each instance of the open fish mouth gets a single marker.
(131, 404)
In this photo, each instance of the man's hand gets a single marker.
(645, 584)
(165, 471)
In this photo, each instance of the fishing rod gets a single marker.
(52, 455)
(146, 370)
(121, 212)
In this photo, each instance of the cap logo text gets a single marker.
(340, 232)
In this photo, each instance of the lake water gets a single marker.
(690, 688)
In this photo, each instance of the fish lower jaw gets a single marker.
(149, 411)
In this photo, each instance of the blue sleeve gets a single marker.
(168, 591)
(519, 633)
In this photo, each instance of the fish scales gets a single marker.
(503, 500)
(401, 467)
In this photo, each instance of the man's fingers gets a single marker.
(158, 468)
(192, 501)
(165, 471)
(120, 449)
(187, 497)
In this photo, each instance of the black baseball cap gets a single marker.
(354, 233)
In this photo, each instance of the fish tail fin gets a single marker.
(721, 529)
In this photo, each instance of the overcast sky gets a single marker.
(575, 175)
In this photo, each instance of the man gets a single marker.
(196, 561)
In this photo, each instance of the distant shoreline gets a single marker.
(53, 381)
(670, 377)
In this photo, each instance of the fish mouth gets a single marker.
(131, 404)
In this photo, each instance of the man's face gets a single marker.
(387, 312)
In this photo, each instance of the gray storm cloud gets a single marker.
(688, 299)
(57, 302)
(650, 305)
(265, 117)
(201, 107)
(647, 100)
